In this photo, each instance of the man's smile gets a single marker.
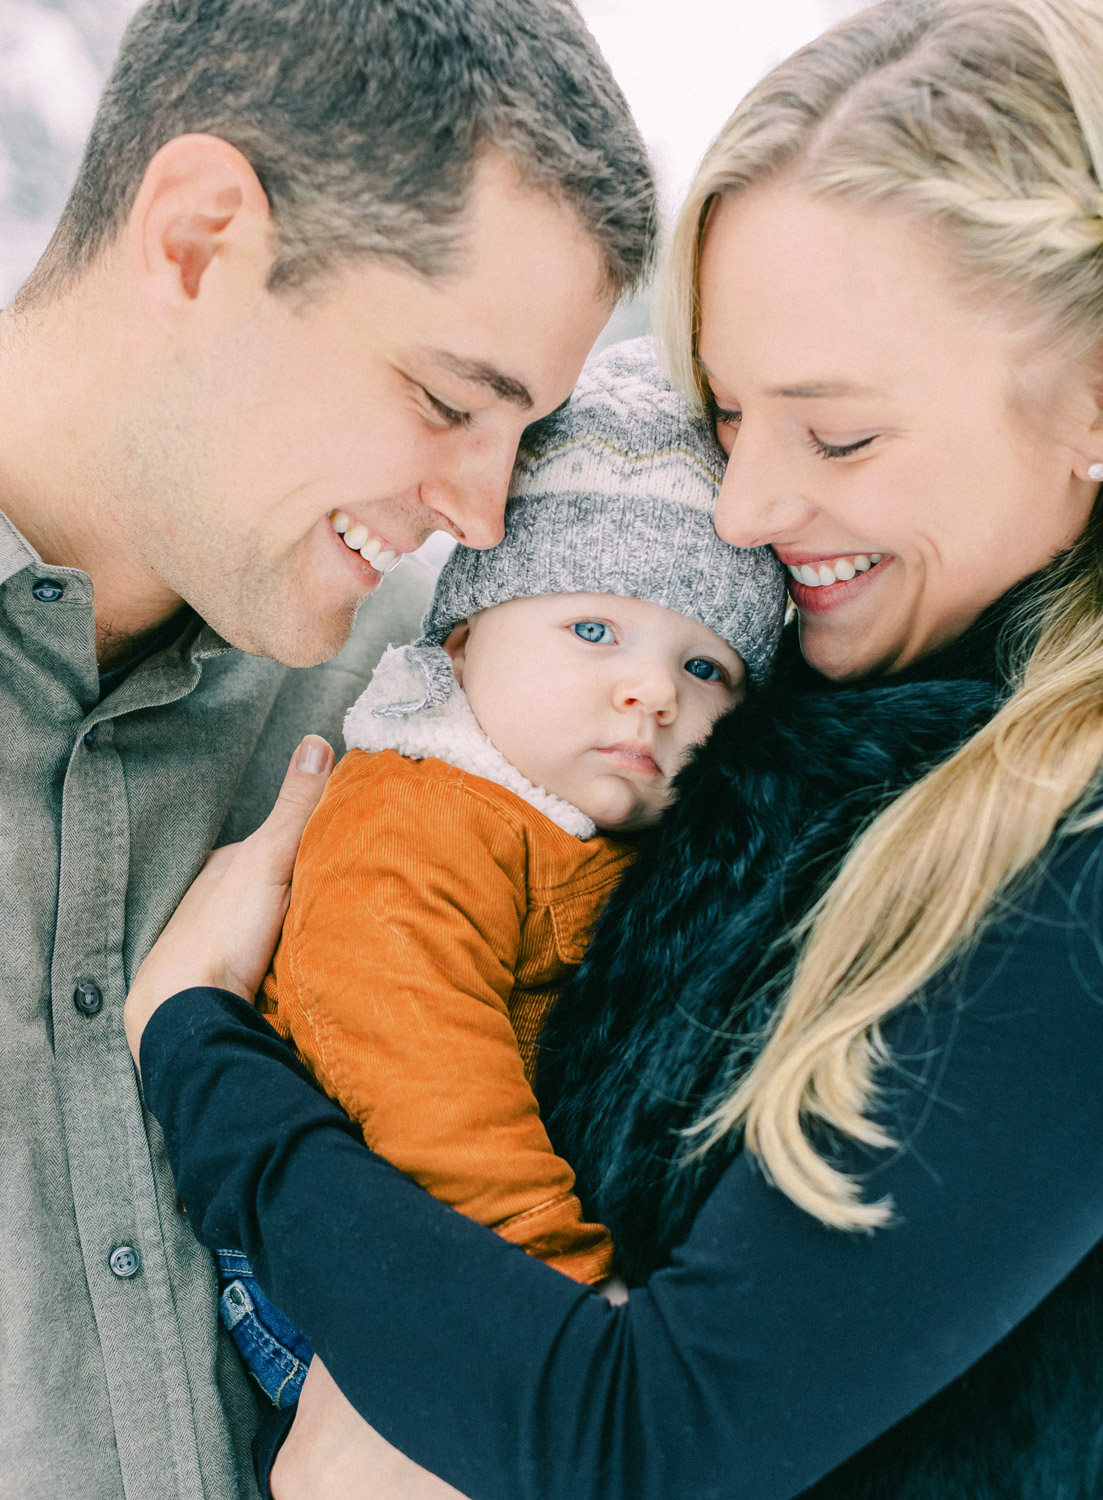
(357, 537)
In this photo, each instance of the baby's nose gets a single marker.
(653, 692)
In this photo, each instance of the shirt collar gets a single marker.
(16, 553)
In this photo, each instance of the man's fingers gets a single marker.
(226, 928)
(273, 847)
(305, 781)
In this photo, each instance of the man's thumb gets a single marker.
(300, 794)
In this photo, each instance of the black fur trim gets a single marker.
(667, 1012)
(690, 957)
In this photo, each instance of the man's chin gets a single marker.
(296, 640)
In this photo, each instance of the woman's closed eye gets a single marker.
(596, 632)
(838, 450)
(725, 419)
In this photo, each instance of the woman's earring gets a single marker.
(1095, 471)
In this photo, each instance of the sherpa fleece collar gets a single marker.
(381, 719)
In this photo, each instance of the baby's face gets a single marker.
(596, 698)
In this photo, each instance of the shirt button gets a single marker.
(90, 736)
(88, 998)
(124, 1261)
(47, 590)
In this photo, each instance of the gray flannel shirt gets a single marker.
(117, 1378)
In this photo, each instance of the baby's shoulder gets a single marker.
(385, 786)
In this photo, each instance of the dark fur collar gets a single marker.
(668, 1008)
(686, 964)
(667, 1011)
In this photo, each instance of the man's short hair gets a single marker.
(364, 121)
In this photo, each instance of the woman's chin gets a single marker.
(841, 653)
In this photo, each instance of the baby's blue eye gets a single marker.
(594, 631)
(707, 671)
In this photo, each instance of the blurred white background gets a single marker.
(682, 63)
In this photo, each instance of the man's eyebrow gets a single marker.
(480, 372)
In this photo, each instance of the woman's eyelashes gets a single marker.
(729, 417)
(838, 450)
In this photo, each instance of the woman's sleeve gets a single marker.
(771, 1348)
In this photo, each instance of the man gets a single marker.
(321, 266)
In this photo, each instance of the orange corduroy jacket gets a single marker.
(434, 915)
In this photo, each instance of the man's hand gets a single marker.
(225, 930)
(332, 1454)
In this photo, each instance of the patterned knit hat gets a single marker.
(613, 493)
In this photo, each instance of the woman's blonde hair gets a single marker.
(983, 118)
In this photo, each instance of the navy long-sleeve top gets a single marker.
(771, 1348)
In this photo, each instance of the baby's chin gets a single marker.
(618, 810)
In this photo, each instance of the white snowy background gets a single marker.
(682, 63)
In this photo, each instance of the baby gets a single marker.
(450, 879)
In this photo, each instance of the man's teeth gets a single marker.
(357, 538)
(842, 570)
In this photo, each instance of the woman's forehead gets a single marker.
(809, 298)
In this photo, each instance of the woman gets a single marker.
(888, 282)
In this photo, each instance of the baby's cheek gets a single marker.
(700, 726)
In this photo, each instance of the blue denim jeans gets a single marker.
(275, 1353)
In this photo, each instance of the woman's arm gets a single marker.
(772, 1348)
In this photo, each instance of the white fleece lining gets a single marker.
(448, 732)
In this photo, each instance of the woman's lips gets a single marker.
(828, 596)
(637, 758)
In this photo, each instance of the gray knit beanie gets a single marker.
(613, 493)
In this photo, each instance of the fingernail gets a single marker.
(311, 757)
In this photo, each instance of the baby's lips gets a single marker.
(636, 758)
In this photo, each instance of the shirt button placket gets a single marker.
(113, 1193)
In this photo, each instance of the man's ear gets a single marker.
(201, 220)
(455, 643)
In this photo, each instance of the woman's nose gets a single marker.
(760, 499)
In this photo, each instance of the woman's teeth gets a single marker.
(357, 538)
(842, 570)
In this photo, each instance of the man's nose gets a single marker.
(470, 493)
(760, 499)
